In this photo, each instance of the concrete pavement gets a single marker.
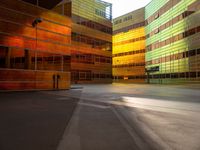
(158, 117)
(95, 126)
(102, 117)
(33, 120)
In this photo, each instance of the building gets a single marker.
(34, 47)
(91, 54)
(129, 47)
(48, 4)
(173, 44)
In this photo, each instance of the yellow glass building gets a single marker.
(129, 47)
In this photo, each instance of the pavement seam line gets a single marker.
(63, 140)
(128, 128)
(148, 131)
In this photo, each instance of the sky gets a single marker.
(121, 7)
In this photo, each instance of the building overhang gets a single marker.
(48, 4)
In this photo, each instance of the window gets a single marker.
(156, 16)
(193, 74)
(167, 58)
(198, 51)
(191, 31)
(192, 53)
(163, 76)
(118, 21)
(127, 18)
(92, 24)
(167, 42)
(174, 75)
(176, 38)
(3, 53)
(156, 31)
(100, 13)
(180, 55)
(198, 74)
(102, 76)
(175, 20)
(198, 29)
(167, 75)
(162, 27)
(182, 75)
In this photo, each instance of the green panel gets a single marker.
(184, 65)
(95, 10)
(153, 6)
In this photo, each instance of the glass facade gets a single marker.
(159, 43)
(172, 41)
(33, 57)
(91, 48)
(129, 47)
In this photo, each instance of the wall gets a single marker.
(91, 40)
(172, 44)
(129, 48)
(32, 80)
(30, 56)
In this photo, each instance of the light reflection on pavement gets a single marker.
(168, 114)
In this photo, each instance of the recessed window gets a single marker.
(156, 16)
(157, 31)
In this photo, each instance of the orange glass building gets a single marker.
(129, 47)
(91, 55)
(34, 47)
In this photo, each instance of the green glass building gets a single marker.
(172, 41)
